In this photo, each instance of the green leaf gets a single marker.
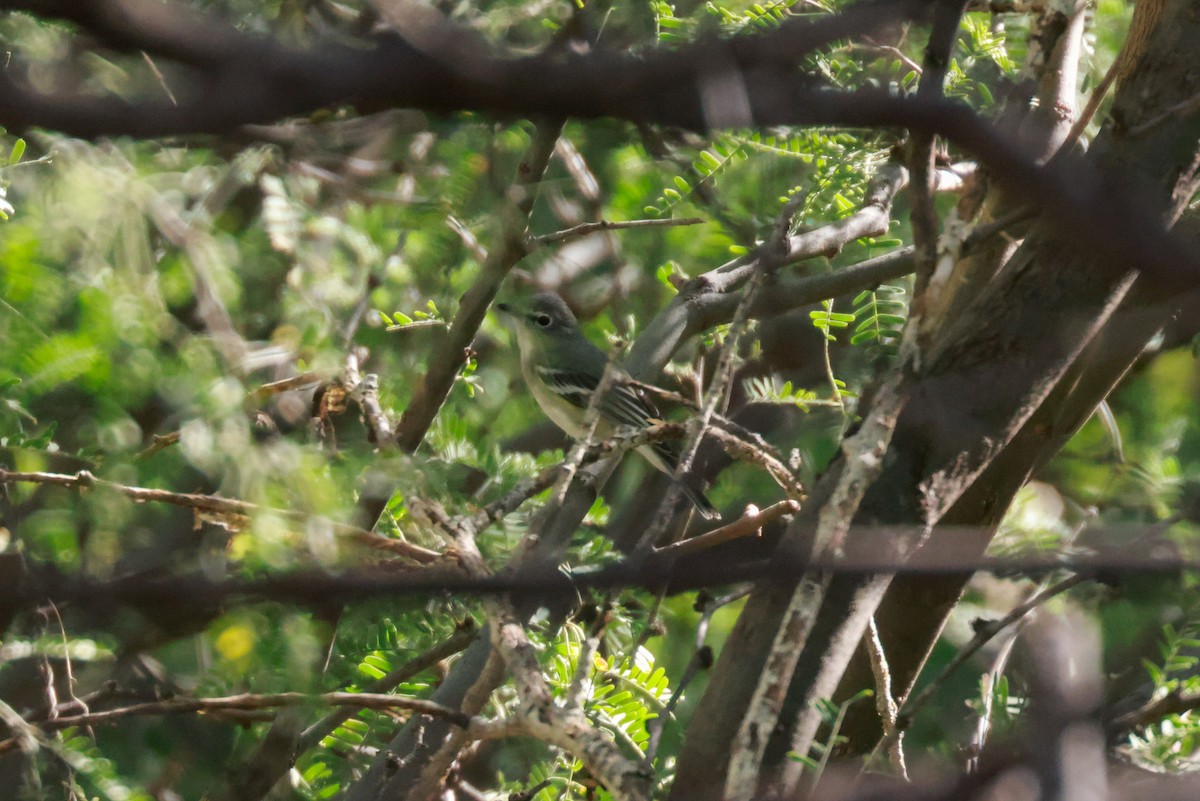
(665, 272)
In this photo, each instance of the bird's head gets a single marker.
(539, 318)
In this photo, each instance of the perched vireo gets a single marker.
(562, 368)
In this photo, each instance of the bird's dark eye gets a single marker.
(542, 319)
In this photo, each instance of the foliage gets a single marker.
(879, 316)
(157, 289)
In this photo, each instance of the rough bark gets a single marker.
(990, 387)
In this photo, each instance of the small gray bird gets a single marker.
(562, 368)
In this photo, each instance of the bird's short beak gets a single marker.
(510, 312)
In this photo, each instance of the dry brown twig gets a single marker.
(229, 513)
(269, 762)
(885, 700)
(539, 715)
(243, 702)
(257, 396)
(748, 525)
(984, 632)
(588, 228)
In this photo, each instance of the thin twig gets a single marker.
(159, 442)
(1181, 109)
(244, 702)
(737, 444)
(702, 659)
(159, 76)
(591, 420)
(227, 512)
(577, 691)
(587, 228)
(983, 726)
(1173, 703)
(464, 636)
(738, 441)
(870, 46)
(1093, 105)
(469, 239)
(984, 632)
(885, 701)
(285, 385)
(748, 525)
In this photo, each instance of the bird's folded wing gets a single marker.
(622, 405)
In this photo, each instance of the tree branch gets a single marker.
(920, 149)
(246, 702)
(226, 512)
(588, 228)
(270, 762)
(748, 525)
(885, 700)
(984, 632)
(450, 354)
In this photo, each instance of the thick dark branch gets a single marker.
(667, 87)
(314, 587)
(251, 79)
(920, 161)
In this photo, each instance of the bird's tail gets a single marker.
(663, 457)
(702, 504)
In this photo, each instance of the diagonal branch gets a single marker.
(270, 763)
(589, 228)
(242, 703)
(712, 298)
(227, 512)
(920, 151)
(566, 728)
(451, 352)
(984, 632)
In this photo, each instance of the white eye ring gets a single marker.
(542, 319)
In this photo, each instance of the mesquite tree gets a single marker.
(911, 282)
